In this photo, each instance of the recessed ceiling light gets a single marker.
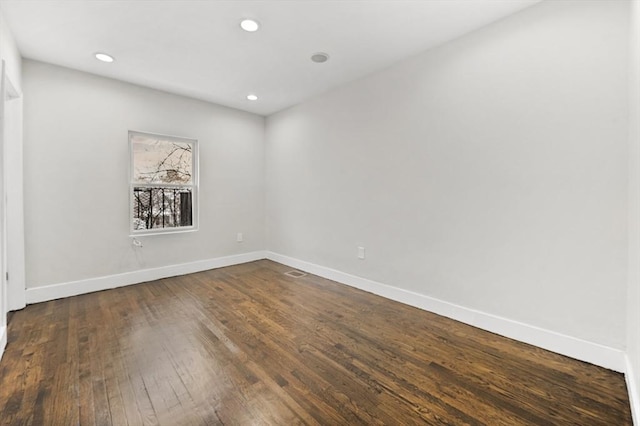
(252, 97)
(320, 57)
(104, 57)
(249, 25)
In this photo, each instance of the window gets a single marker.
(164, 183)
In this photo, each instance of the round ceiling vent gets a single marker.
(319, 57)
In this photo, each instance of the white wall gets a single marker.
(76, 176)
(633, 298)
(490, 172)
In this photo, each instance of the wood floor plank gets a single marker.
(249, 345)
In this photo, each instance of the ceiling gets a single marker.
(196, 47)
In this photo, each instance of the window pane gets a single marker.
(155, 208)
(157, 160)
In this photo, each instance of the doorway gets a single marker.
(12, 282)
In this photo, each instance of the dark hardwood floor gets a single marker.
(248, 345)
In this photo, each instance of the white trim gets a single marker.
(14, 192)
(583, 350)
(3, 340)
(73, 288)
(632, 389)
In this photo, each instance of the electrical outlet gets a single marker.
(360, 252)
(239, 237)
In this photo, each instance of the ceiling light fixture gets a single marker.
(252, 97)
(319, 57)
(249, 25)
(104, 57)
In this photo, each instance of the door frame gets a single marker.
(13, 290)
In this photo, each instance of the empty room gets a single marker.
(320, 212)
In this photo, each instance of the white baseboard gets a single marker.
(594, 353)
(3, 340)
(632, 389)
(582, 350)
(74, 288)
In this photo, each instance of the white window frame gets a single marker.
(194, 185)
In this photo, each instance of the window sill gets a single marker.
(147, 233)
